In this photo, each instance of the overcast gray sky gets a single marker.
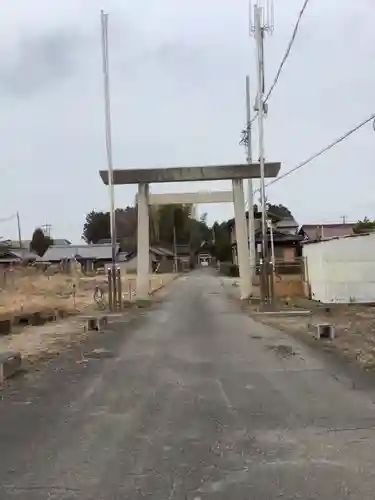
(177, 89)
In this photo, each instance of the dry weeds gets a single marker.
(30, 291)
(27, 290)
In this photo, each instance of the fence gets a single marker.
(293, 269)
(289, 277)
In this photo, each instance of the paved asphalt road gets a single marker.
(197, 401)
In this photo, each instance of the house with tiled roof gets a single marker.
(90, 256)
(285, 237)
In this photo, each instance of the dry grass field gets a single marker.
(28, 291)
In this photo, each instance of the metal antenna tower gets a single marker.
(267, 15)
(47, 228)
(262, 22)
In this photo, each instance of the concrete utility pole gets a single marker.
(250, 196)
(175, 263)
(263, 21)
(108, 137)
(19, 234)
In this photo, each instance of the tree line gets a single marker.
(39, 244)
(169, 224)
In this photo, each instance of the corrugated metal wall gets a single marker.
(342, 270)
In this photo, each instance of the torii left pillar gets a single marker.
(143, 244)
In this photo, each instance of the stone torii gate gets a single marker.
(145, 177)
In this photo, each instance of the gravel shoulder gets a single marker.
(354, 325)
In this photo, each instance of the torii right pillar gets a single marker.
(143, 244)
(241, 238)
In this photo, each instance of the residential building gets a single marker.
(10, 257)
(286, 240)
(161, 261)
(89, 256)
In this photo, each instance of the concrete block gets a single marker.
(127, 304)
(324, 331)
(36, 319)
(5, 326)
(57, 315)
(97, 323)
(10, 364)
(143, 303)
(21, 318)
(48, 315)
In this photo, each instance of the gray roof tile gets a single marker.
(14, 244)
(24, 254)
(289, 222)
(317, 231)
(57, 253)
(161, 251)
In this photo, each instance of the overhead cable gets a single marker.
(288, 49)
(324, 150)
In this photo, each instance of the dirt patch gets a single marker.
(100, 354)
(354, 328)
(37, 343)
(283, 350)
(44, 342)
(354, 324)
(290, 288)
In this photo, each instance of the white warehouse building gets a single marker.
(341, 270)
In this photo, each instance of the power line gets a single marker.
(245, 131)
(6, 219)
(324, 150)
(287, 52)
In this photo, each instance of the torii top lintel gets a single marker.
(190, 174)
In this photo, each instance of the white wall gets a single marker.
(342, 269)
